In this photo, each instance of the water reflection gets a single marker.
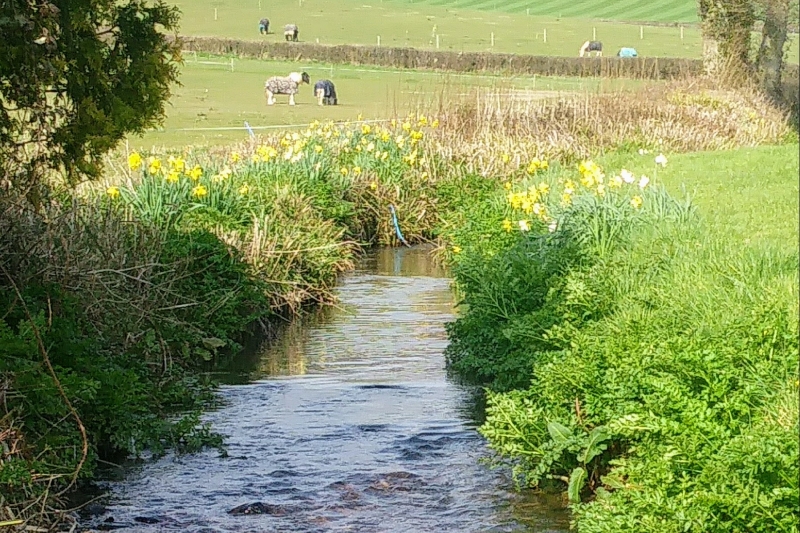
(346, 423)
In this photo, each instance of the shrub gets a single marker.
(617, 377)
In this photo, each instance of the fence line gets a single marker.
(279, 126)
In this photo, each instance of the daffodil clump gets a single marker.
(535, 202)
(331, 167)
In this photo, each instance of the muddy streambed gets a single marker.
(347, 423)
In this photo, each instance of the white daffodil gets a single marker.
(627, 176)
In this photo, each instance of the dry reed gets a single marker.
(676, 117)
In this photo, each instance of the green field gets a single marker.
(213, 102)
(653, 11)
(759, 211)
(411, 24)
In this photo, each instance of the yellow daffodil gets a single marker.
(173, 176)
(235, 157)
(344, 171)
(588, 180)
(223, 175)
(507, 185)
(533, 166)
(153, 165)
(134, 161)
(507, 225)
(196, 173)
(244, 189)
(516, 199)
(199, 191)
(366, 129)
(505, 158)
(373, 185)
(113, 192)
(615, 182)
(543, 188)
(636, 202)
(456, 249)
(356, 170)
(435, 123)
(176, 163)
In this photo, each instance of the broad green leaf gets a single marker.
(593, 444)
(612, 481)
(559, 432)
(576, 480)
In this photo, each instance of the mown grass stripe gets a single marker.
(627, 10)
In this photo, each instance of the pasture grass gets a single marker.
(213, 102)
(623, 10)
(750, 194)
(461, 28)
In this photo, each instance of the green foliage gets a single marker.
(627, 385)
(128, 317)
(76, 77)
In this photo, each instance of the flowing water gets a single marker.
(347, 423)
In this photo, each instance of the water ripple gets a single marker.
(348, 424)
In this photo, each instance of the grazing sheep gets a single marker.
(290, 32)
(285, 85)
(263, 26)
(591, 46)
(325, 92)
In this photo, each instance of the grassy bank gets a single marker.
(598, 326)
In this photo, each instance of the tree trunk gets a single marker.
(712, 56)
(769, 62)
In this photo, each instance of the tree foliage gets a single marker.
(730, 23)
(76, 76)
